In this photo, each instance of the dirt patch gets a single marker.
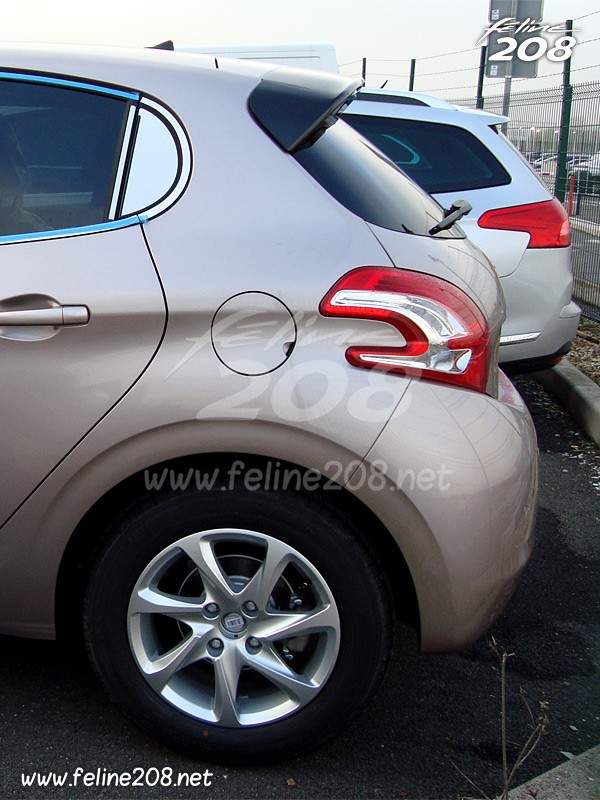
(585, 350)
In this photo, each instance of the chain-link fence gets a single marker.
(572, 170)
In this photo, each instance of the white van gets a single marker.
(306, 55)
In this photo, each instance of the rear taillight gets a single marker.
(546, 223)
(446, 336)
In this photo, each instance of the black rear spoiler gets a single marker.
(295, 106)
(168, 45)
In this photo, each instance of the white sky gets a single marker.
(379, 29)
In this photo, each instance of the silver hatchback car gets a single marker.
(252, 408)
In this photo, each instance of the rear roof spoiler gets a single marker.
(167, 45)
(295, 106)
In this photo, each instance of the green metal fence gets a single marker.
(558, 131)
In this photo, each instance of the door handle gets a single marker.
(59, 315)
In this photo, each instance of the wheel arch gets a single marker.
(90, 533)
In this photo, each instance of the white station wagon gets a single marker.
(454, 152)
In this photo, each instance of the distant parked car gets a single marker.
(251, 401)
(547, 167)
(451, 152)
(591, 165)
(537, 158)
(587, 174)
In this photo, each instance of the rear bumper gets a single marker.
(538, 364)
(539, 305)
(459, 498)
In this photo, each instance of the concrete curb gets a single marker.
(578, 394)
(585, 225)
(576, 779)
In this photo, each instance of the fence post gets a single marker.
(482, 60)
(506, 102)
(411, 80)
(565, 123)
(571, 195)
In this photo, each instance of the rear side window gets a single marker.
(366, 183)
(439, 157)
(58, 155)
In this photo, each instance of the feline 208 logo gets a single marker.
(524, 41)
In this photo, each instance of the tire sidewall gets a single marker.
(307, 526)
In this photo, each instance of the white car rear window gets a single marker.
(439, 157)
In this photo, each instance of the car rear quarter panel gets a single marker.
(466, 532)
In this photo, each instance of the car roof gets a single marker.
(291, 105)
(123, 66)
(402, 99)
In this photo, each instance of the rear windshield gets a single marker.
(367, 183)
(439, 157)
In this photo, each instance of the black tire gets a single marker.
(328, 560)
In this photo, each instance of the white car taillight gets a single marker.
(445, 335)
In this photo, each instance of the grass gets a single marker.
(538, 724)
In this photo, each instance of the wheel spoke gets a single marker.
(215, 583)
(275, 626)
(243, 580)
(260, 587)
(151, 601)
(268, 664)
(159, 671)
(227, 674)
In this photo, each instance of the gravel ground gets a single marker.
(585, 352)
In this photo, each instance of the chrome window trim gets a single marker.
(68, 83)
(123, 158)
(63, 233)
(133, 217)
(184, 154)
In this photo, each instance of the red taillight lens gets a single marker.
(446, 336)
(546, 223)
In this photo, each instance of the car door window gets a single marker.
(59, 151)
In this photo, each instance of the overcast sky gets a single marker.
(380, 29)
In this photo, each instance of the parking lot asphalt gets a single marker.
(435, 725)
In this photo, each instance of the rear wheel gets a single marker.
(236, 625)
